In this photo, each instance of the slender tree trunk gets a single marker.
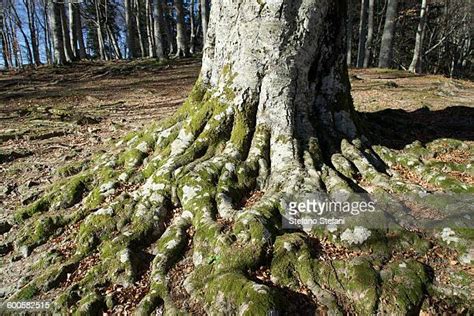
(416, 62)
(139, 28)
(114, 42)
(131, 29)
(181, 37)
(149, 29)
(386, 49)
(100, 31)
(158, 27)
(204, 19)
(370, 34)
(19, 25)
(31, 8)
(56, 30)
(349, 32)
(66, 39)
(192, 40)
(362, 33)
(78, 29)
(5, 50)
(72, 29)
(168, 27)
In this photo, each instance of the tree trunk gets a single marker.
(114, 42)
(57, 33)
(192, 40)
(415, 65)
(349, 32)
(158, 27)
(386, 48)
(72, 28)
(181, 37)
(149, 29)
(65, 31)
(370, 34)
(78, 29)
(5, 50)
(204, 19)
(139, 28)
(100, 31)
(131, 29)
(362, 33)
(30, 10)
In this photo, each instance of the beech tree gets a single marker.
(181, 37)
(271, 112)
(386, 48)
(57, 33)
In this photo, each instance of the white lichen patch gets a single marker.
(182, 142)
(357, 236)
(107, 186)
(448, 235)
(123, 177)
(171, 244)
(197, 258)
(287, 246)
(104, 211)
(467, 258)
(190, 192)
(124, 256)
(143, 147)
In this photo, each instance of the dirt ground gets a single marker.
(57, 116)
(54, 117)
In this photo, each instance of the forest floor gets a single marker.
(56, 117)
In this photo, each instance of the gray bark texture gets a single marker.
(204, 6)
(56, 32)
(157, 29)
(386, 48)
(131, 29)
(181, 36)
(415, 65)
(362, 33)
(370, 34)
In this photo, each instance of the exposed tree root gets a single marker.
(203, 162)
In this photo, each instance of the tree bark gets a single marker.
(57, 34)
(386, 48)
(30, 10)
(349, 32)
(270, 113)
(158, 27)
(192, 40)
(149, 29)
(73, 29)
(181, 37)
(131, 29)
(78, 29)
(362, 33)
(100, 31)
(69, 52)
(204, 19)
(416, 63)
(370, 34)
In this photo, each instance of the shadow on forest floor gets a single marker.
(397, 128)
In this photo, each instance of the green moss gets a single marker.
(71, 169)
(232, 293)
(404, 286)
(38, 206)
(27, 292)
